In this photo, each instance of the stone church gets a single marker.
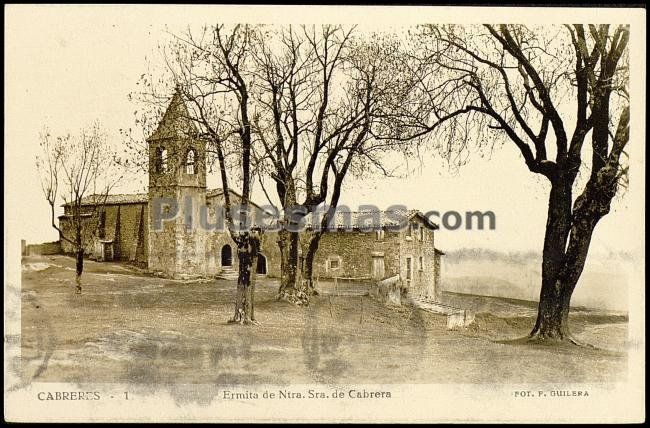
(126, 227)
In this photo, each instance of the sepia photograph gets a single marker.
(324, 214)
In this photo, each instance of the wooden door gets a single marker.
(378, 269)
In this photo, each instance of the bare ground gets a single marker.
(127, 326)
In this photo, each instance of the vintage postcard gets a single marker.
(324, 214)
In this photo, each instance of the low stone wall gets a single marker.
(44, 249)
(456, 317)
(389, 290)
(461, 318)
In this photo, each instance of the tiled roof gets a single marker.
(138, 198)
(372, 219)
(133, 198)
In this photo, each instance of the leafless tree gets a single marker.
(211, 71)
(223, 71)
(329, 100)
(303, 106)
(546, 90)
(77, 170)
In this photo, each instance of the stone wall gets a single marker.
(218, 239)
(419, 247)
(123, 224)
(44, 249)
(436, 275)
(88, 228)
(191, 238)
(182, 249)
(179, 247)
(271, 251)
(353, 252)
(359, 254)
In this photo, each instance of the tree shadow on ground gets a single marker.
(568, 345)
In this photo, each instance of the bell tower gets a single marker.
(177, 191)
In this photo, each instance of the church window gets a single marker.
(190, 162)
(163, 160)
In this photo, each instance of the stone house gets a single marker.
(398, 243)
(114, 227)
(169, 228)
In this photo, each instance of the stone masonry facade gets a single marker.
(125, 227)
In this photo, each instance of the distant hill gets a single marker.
(517, 275)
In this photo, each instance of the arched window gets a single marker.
(226, 255)
(163, 160)
(190, 162)
(160, 160)
(157, 160)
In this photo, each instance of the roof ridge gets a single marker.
(176, 113)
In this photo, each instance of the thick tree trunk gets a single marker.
(553, 316)
(244, 298)
(289, 242)
(252, 287)
(309, 264)
(79, 267)
(561, 269)
(553, 309)
(289, 287)
(79, 261)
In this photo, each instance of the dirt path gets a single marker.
(130, 327)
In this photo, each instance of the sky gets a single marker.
(66, 66)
